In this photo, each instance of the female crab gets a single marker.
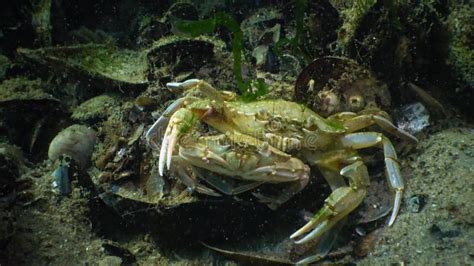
(263, 141)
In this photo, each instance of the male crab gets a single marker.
(262, 141)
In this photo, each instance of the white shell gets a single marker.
(76, 141)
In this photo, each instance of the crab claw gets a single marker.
(338, 205)
(179, 124)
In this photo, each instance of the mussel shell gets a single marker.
(29, 116)
(182, 10)
(76, 141)
(345, 78)
(171, 56)
(12, 166)
(105, 63)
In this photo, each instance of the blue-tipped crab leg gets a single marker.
(344, 199)
(392, 166)
(341, 202)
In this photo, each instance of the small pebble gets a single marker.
(416, 203)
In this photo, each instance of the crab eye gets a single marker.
(355, 102)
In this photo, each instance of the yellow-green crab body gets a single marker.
(255, 143)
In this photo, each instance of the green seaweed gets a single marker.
(296, 45)
(206, 26)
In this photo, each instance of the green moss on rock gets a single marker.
(95, 108)
(461, 47)
(22, 89)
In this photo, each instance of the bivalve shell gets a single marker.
(76, 141)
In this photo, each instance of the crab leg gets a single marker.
(358, 122)
(329, 164)
(191, 182)
(185, 85)
(202, 86)
(341, 202)
(292, 189)
(162, 122)
(392, 166)
(223, 185)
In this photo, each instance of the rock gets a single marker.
(110, 261)
(416, 203)
(412, 117)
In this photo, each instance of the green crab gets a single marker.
(270, 141)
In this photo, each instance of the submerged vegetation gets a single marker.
(296, 44)
(250, 90)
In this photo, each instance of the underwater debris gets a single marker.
(150, 29)
(259, 28)
(12, 166)
(313, 32)
(76, 141)
(146, 103)
(7, 228)
(438, 233)
(41, 21)
(368, 243)
(352, 18)
(334, 84)
(93, 61)
(61, 176)
(41, 114)
(416, 203)
(96, 108)
(181, 10)
(412, 117)
(84, 35)
(115, 250)
(434, 105)
(4, 65)
(264, 55)
(174, 55)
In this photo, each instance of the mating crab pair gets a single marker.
(269, 141)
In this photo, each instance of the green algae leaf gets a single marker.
(201, 27)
